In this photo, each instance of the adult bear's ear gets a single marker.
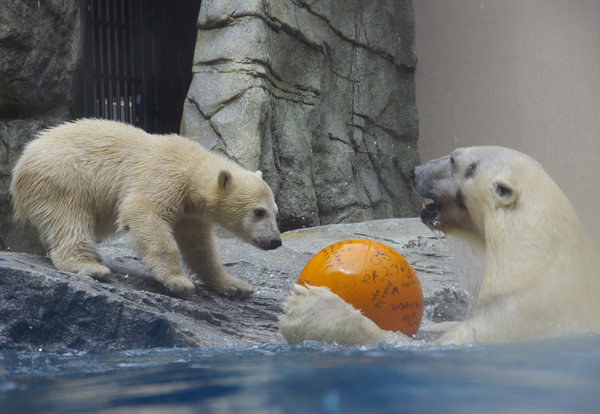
(224, 179)
(505, 192)
(258, 174)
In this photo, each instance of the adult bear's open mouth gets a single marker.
(422, 180)
(430, 215)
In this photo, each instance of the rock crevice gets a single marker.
(318, 95)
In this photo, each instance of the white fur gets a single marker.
(542, 273)
(315, 313)
(82, 182)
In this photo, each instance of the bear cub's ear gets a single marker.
(505, 192)
(224, 179)
(258, 174)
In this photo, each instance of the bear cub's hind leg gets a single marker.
(71, 240)
(81, 265)
(80, 257)
(196, 243)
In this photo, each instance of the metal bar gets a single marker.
(117, 71)
(101, 106)
(126, 60)
(92, 31)
(123, 65)
(142, 69)
(111, 103)
(134, 115)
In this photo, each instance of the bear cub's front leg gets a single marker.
(151, 238)
(160, 255)
(196, 242)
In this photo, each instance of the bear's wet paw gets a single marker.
(87, 268)
(180, 286)
(234, 288)
(97, 271)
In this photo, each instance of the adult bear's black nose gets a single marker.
(411, 175)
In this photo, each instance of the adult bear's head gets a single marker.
(475, 188)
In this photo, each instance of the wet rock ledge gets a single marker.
(43, 308)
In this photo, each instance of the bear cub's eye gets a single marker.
(259, 212)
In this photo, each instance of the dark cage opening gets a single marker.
(122, 72)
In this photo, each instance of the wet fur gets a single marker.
(542, 273)
(86, 181)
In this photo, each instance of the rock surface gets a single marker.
(45, 308)
(318, 95)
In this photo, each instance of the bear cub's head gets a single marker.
(248, 209)
(472, 185)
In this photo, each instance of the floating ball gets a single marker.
(374, 278)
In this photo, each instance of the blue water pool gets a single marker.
(551, 376)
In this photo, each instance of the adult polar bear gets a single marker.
(84, 181)
(542, 274)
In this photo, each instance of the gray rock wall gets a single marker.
(319, 95)
(40, 52)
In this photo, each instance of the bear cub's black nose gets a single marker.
(275, 243)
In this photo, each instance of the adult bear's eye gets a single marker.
(471, 170)
(259, 212)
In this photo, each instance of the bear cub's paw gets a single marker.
(233, 288)
(180, 286)
(98, 272)
(88, 268)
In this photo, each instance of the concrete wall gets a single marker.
(520, 74)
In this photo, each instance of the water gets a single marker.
(552, 376)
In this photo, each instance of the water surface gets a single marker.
(552, 376)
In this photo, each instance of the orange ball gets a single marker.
(374, 278)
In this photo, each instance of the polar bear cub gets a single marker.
(85, 181)
(542, 273)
